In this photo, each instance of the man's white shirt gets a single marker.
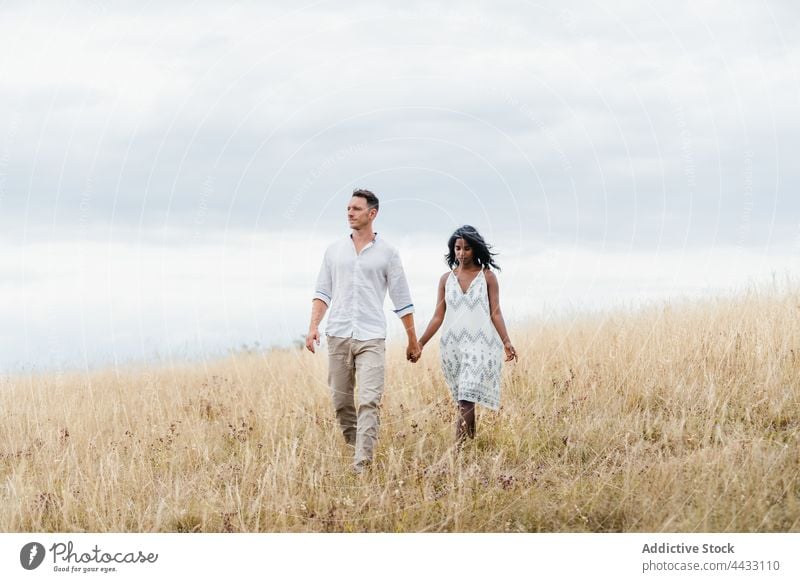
(354, 287)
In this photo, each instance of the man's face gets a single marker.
(358, 214)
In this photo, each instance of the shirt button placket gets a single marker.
(354, 313)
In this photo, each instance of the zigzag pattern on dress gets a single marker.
(457, 301)
(479, 372)
(464, 334)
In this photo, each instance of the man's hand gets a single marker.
(312, 338)
(413, 351)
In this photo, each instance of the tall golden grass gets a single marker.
(676, 418)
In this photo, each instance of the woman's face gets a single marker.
(463, 252)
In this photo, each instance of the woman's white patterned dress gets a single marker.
(471, 350)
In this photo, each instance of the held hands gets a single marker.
(413, 351)
(312, 338)
(511, 352)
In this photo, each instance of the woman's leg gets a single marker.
(465, 423)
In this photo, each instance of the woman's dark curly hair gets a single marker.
(481, 252)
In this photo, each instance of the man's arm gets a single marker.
(413, 350)
(404, 307)
(318, 309)
(322, 298)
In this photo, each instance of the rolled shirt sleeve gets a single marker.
(324, 288)
(398, 287)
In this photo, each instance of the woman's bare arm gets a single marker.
(493, 288)
(438, 315)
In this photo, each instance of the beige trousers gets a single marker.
(352, 362)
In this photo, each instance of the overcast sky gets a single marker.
(652, 141)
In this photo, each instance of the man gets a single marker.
(355, 275)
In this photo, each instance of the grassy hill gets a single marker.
(677, 418)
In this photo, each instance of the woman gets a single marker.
(474, 336)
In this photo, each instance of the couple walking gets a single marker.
(356, 272)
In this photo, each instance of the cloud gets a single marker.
(605, 124)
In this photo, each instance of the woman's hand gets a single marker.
(511, 352)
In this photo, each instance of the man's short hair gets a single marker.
(372, 200)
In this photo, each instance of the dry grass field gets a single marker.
(672, 419)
